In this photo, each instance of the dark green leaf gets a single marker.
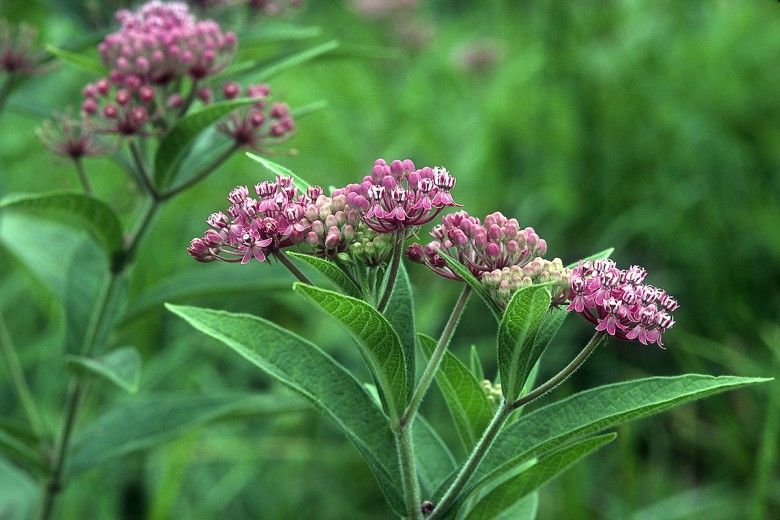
(596, 256)
(517, 349)
(377, 340)
(470, 279)
(523, 509)
(278, 169)
(550, 326)
(331, 271)
(122, 367)
(80, 61)
(400, 314)
(475, 364)
(434, 460)
(20, 444)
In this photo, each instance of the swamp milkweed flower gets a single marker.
(18, 56)
(74, 138)
(262, 123)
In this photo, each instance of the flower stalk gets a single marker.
(411, 486)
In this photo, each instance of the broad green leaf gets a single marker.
(523, 509)
(400, 315)
(331, 271)
(376, 338)
(86, 275)
(506, 494)
(179, 140)
(475, 284)
(121, 366)
(594, 410)
(517, 349)
(551, 324)
(315, 375)
(278, 169)
(80, 61)
(596, 256)
(434, 459)
(76, 210)
(149, 420)
(469, 406)
(475, 364)
(20, 493)
(269, 71)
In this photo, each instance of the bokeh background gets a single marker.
(651, 127)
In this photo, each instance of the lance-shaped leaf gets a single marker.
(506, 494)
(517, 350)
(475, 284)
(76, 210)
(434, 459)
(268, 71)
(469, 407)
(80, 61)
(475, 364)
(331, 271)
(400, 315)
(315, 375)
(121, 366)
(551, 324)
(596, 256)
(594, 410)
(179, 140)
(377, 340)
(278, 169)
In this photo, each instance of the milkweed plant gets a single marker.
(167, 77)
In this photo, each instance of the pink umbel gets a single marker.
(619, 303)
(263, 123)
(332, 223)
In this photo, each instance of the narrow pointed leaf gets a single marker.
(434, 459)
(278, 169)
(122, 367)
(470, 279)
(294, 60)
(469, 407)
(475, 364)
(596, 256)
(377, 340)
(80, 61)
(331, 271)
(551, 324)
(523, 509)
(278, 32)
(400, 315)
(517, 349)
(506, 494)
(305, 110)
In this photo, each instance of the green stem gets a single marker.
(5, 90)
(141, 175)
(85, 184)
(205, 172)
(19, 382)
(190, 98)
(393, 273)
(436, 357)
(411, 486)
(291, 267)
(153, 206)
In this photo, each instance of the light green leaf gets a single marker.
(594, 410)
(305, 110)
(551, 324)
(523, 509)
(596, 256)
(475, 284)
(80, 61)
(331, 271)
(76, 210)
(469, 407)
(475, 364)
(309, 371)
(434, 459)
(377, 340)
(278, 32)
(294, 60)
(506, 494)
(121, 366)
(19, 496)
(517, 349)
(400, 315)
(179, 140)
(278, 169)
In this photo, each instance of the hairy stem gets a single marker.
(202, 174)
(393, 273)
(291, 267)
(411, 487)
(438, 354)
(85, 184)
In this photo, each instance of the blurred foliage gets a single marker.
(648, 126)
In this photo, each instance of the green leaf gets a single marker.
(80, 61)
(149, 420)
(277, 169)
(475, 364)
(20, 444)
(278, 32)
(523, 509)
(551, 324)
(475, 284)
(76, 210)
(506, 494)
(376, 338)
(19, 498)
(469, 406)
(294, 60)
(400, 315)
(305, 110)
(594, 410)
(517, 349)
(309, 371)
(122, 367)
(596, 256)
(331, 271)
(179, 140)
(434, 459)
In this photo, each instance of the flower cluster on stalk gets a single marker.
(72, 138)
(263, 123)
(18, 55)
(619, 303)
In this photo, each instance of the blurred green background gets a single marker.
(652, 127)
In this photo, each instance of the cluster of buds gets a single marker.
(74, 138)
(262, 123)
(370, 248)
(398, 196)
(497, 243)
(255, 227)
(120, 110)
(492, 391)
(331, 221)
(618, 302)
(163, 42)
(503, 283)
(17, 53)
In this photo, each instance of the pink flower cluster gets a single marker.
(255, 227)
(18, 54)
(161, 42)
(398, 196)
(262, 123)
(497, 243)
(618, 302)
(333, 224)
(119, 110)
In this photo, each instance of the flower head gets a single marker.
(17, 54)
(264, 123)
(121, 110)
(399, 196)
(332, 223)
(503, 283)
(619, 303)
(74, 138)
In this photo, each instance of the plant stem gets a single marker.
(85, 184)
(141, 176)
(393, 273)
(19, 382)
(291, 267)
(411, 487)
(436, 357)
(202, 174)
(5, 90)
(142, 228)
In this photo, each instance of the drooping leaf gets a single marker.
(434, 459)
(400, 315)
(19, 496)
(331, 271)
(469, 407)
(376, 338)
(80, 61)
(475, 284)
(596, 256)
(121, 366)
(309, 371)
(475, 364)
(506, 494)
(179, 140)
(76, 210)
(517, 349)
(278, 169)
